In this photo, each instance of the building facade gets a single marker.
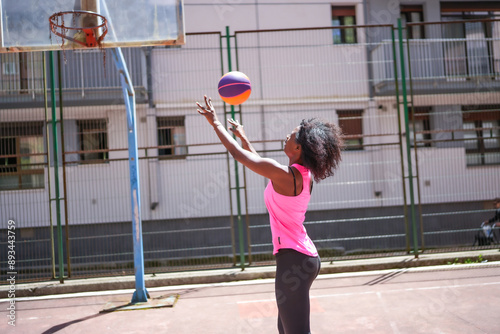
(342, 61)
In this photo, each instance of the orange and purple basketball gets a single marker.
(234, 88)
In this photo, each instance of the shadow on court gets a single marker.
(60, 327)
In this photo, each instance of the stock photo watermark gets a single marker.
(11, 273)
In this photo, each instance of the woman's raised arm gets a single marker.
(266, 167)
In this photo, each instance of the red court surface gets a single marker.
(443, 299)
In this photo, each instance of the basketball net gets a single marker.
(87, 30)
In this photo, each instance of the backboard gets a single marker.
(24, 24)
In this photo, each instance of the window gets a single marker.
(22, 156)
(419, 117)
(9, 68)
(470, 49)
(17, 65)
(481, 126)
(344, 16)
(470, 10)
(350, 121)
(413, 14)
(93, 140)
(171, 136)
(23, 72)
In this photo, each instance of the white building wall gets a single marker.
(209, 15)
(191, 196)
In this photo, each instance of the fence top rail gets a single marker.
(204, 33)
(386, 42)
(349, 27)
(459, 130)
(451, 22)
(315, 28)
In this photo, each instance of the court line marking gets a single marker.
(380, 292)
(251, 282)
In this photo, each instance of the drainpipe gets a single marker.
(368, 54)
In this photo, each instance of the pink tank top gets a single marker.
(287, 214)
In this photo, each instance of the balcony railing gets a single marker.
(86, 76)
(440, 60)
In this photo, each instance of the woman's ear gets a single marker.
(298, 149)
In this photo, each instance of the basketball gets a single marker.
(234, 88)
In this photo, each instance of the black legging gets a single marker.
(295, 273)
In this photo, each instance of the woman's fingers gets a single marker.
(208, 102)
(209, 107)
(200, 107)
(205, 109)
(234, 122)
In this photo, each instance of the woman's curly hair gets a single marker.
(322, 145)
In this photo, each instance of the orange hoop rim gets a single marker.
(56, 24)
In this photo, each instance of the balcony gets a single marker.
(439, 66)
(87, 78)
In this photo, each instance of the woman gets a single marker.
(313, 149)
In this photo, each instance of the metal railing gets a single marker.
(452, 59)
(86, 75)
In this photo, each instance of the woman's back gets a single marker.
(287, 214)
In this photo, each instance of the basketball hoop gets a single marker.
(87, 29)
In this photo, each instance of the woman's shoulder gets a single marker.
(300, 168)
(304, 171)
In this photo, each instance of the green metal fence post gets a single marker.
(401, 154)
(56, 167)
(63, 156)
(417, 176)
(231, 219)
(407, 135)
(47, 147)
(247, 219)
(236, 174)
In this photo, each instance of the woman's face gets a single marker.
(290, 142)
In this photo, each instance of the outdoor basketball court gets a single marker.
(450, 299)
(445, 299)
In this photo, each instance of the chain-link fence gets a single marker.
(199, 209)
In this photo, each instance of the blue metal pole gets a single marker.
(140, 294)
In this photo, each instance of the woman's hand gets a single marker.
(237, 128)
(208, 111)
(238, 131)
